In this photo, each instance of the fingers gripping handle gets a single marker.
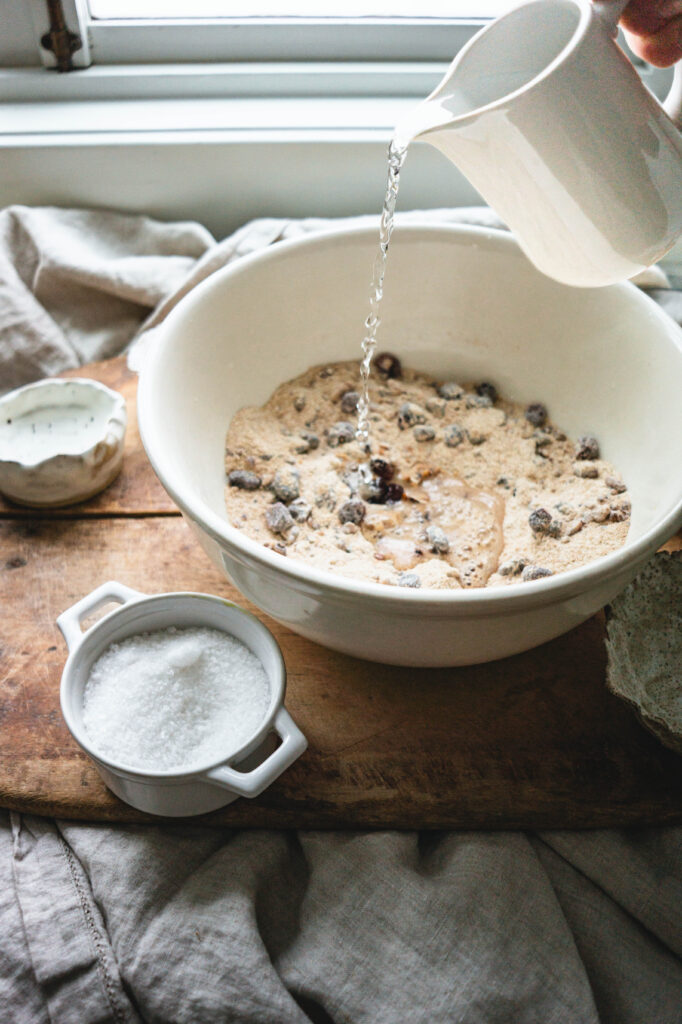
(253, 783)
(69, 621)
(611, 11)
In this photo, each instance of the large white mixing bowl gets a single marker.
(460, 303)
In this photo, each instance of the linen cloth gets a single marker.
(182, 923)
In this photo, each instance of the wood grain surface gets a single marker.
(534, 741)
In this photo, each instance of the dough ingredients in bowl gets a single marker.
(462, 488)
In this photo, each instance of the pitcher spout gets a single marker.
(422, 121)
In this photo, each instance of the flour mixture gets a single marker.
(462, 488)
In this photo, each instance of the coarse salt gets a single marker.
(174, 698)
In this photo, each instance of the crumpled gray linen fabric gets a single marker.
(190, 924)
(196, 925)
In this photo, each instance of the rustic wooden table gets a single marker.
(534, 741)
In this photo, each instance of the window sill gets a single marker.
(202, 119)
(187, 104)
(219, 144)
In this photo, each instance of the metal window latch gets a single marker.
(59, 40)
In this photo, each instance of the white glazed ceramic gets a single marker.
(548, 119)
(53, 469)
(460, 303)
(246, 771)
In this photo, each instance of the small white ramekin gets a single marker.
(64, 477)
(245, 771)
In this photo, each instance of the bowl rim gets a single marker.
(116, 421)
(548, 590)
(198, 771)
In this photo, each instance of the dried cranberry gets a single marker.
(244, 480)
(349, 401)
(586, 470)
(513, 568)
(450, 390)
(381, 468)
(453, 435)
(438, 539)
(410, 414)
(409, 579)
(615, 484)
(278, 518)
(340, 433)
(300, 510)
(309, 442)
(535, 572)
(536, 413)
(388, 365)
(587, 448)
(540, 520)
(352, 511)
(487, 390)
(286, 484)
(374, 491)
(479, 402)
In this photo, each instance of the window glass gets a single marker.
(350, 9)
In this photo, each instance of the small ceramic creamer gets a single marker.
(61, 441)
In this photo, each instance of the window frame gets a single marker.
(301, 39)
(209, 40)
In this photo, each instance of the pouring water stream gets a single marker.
(396, 159)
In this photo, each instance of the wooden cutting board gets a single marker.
(534, 741)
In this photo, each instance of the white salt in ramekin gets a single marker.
(245, 771)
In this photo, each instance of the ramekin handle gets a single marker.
(253, 783)
(69, 621)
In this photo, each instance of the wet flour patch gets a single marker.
(462, 488)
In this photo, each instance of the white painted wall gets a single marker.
(224, 184)
(17, 38)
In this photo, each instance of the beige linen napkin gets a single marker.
(75, 285)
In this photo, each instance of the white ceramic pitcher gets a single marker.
(548, 119)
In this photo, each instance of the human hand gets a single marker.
(654, 30)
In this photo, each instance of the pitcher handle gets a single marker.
(610, 12)
(672, 104)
